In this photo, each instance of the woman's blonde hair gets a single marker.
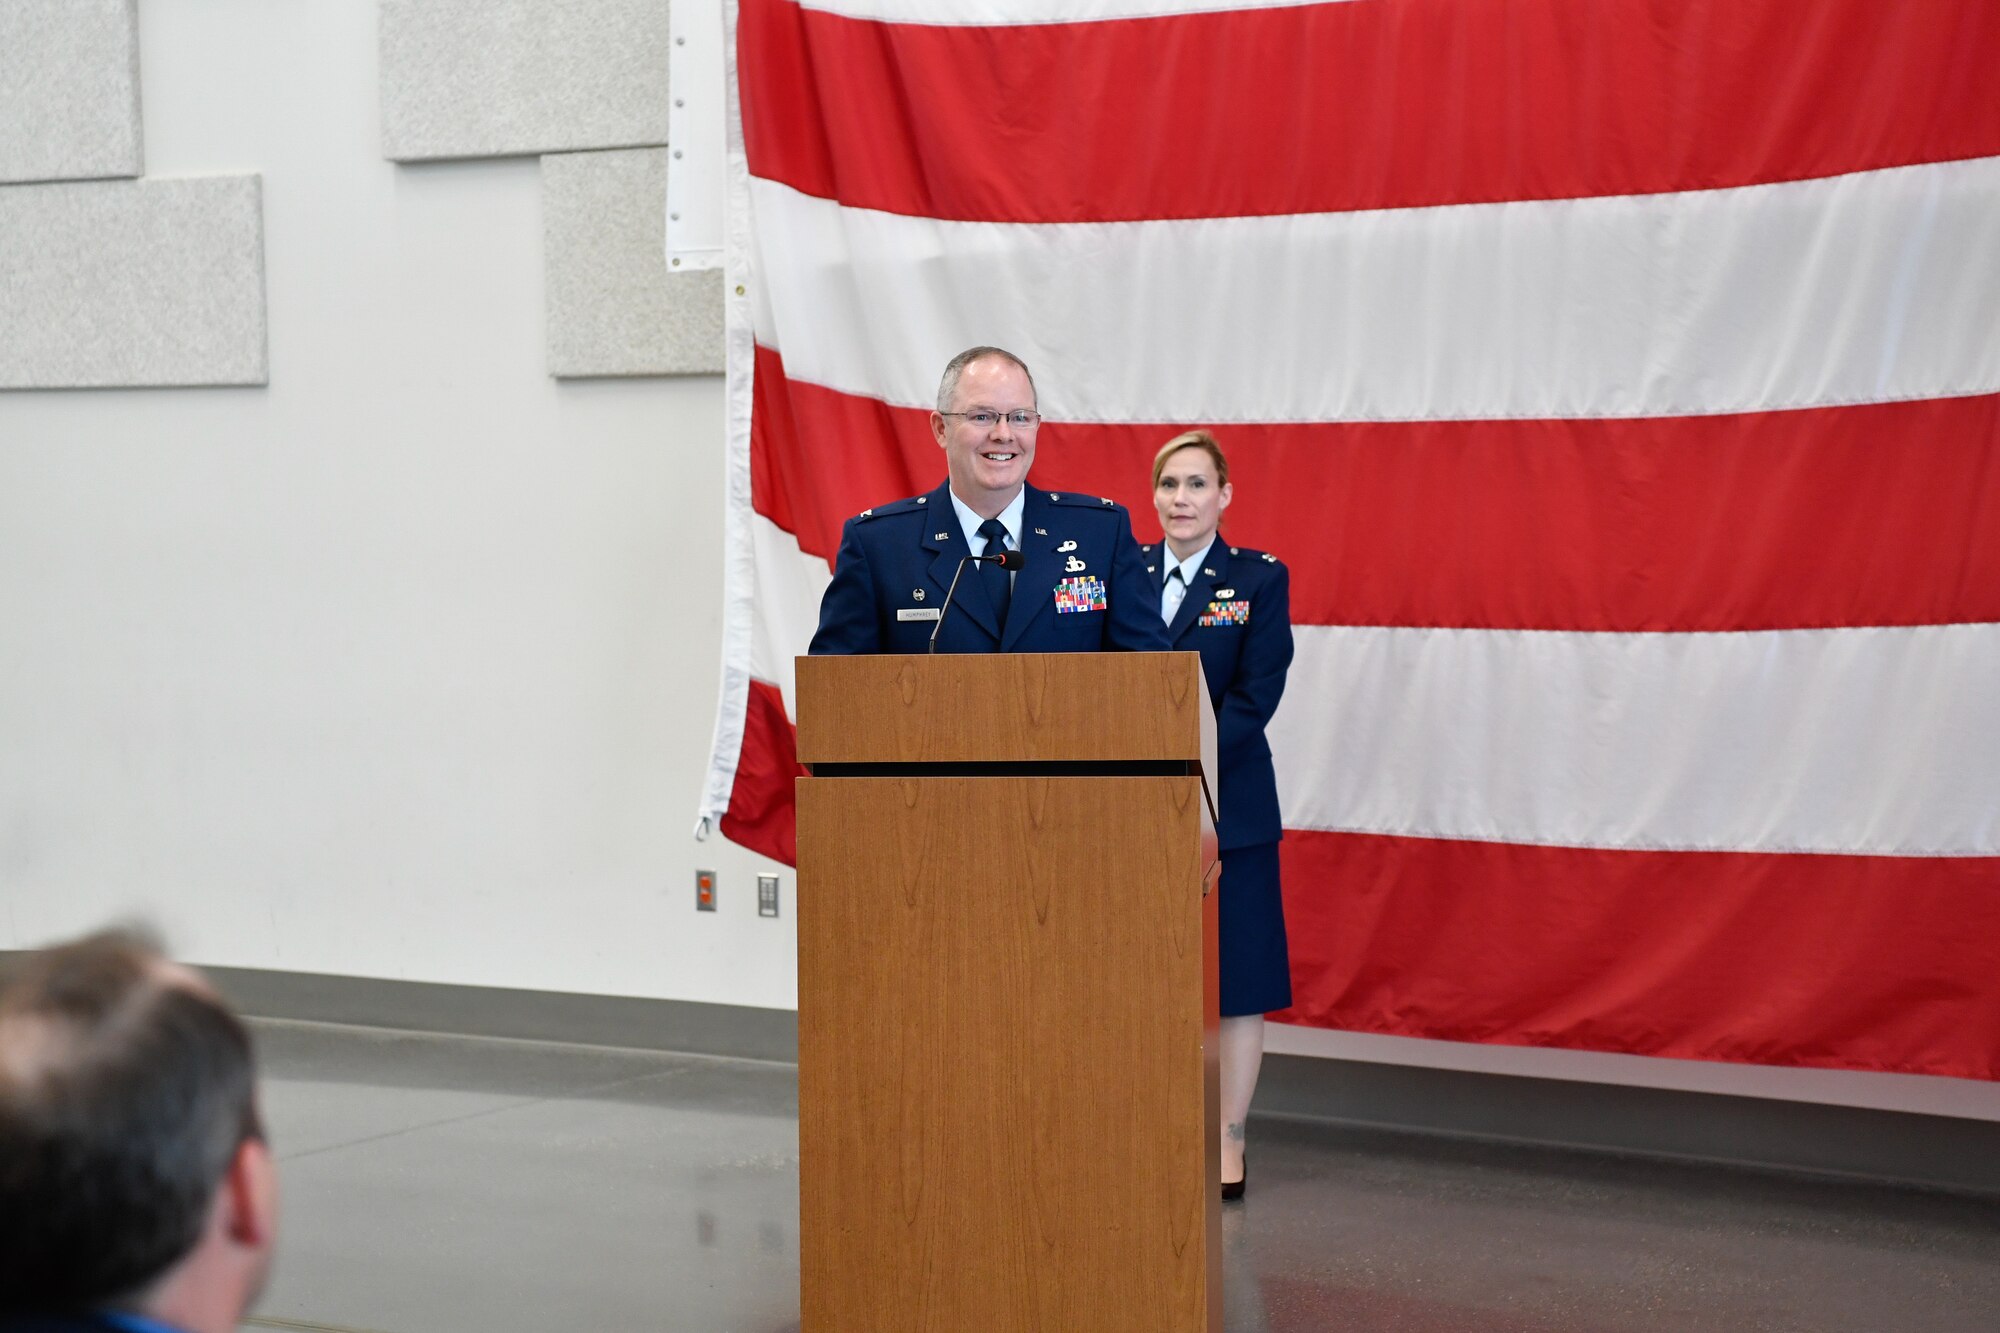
(1192, 439)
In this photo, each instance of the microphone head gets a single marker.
(1012, 560)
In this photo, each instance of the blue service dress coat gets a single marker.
(1238, 615)
(1083, 587)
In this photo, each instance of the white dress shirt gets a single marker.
(1175, 590)
(1010, 519)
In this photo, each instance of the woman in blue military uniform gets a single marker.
(1233, 606)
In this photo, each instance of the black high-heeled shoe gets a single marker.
(1232, 1190)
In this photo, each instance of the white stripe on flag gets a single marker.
(1849, 289)
(790, 584)
(1882, 741)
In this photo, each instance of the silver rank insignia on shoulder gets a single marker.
(1107, 501)
(923, 499)
(1055, 497)
(1224, 594)
(866, 512)
(1270, 559)
(1074, 565)
(1066, 546)
(917, 593)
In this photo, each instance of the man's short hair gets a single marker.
(126, 1087)
(948, 383)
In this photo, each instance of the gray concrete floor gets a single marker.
(435, 1184)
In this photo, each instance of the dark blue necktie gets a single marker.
(999, 587)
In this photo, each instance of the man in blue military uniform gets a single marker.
(1082, 586)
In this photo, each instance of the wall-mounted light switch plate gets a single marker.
(767, 895)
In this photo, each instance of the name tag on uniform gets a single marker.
(1080, 594)
(916, 613)
(1226, 613)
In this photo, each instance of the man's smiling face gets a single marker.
(987, 465)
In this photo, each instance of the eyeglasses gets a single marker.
(1021, 418)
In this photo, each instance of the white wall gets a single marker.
(404, 667)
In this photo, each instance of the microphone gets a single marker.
(1007, 560)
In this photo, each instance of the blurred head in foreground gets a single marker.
(134, 1177)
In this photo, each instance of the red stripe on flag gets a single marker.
(818, 456)
(1406, 104)
(760, 815)
(1848, 962)
(1881, 514)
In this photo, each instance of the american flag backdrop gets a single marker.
(1620, 380)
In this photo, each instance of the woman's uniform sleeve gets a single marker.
(1253, 693)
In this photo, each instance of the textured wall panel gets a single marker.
(614, 308)
(152, 282)
(501, 78)
(69, 90)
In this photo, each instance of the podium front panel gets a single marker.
(1007, 1000)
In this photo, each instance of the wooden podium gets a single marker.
(1007, 995)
